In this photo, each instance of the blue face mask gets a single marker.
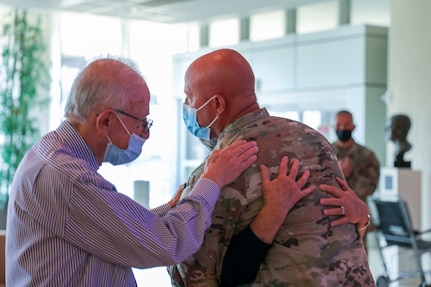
(116, 155)
(189, 116)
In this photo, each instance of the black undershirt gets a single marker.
(242, 259)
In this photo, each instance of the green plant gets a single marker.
(23, 77)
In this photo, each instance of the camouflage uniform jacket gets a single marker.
(306, 250)
(365, 169)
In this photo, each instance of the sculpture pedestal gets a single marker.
(405, 183)
(405, 164)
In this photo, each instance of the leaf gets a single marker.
(24, 73)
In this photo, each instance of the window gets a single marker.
(266, 26)
(317, 17)
(370, 12)
(224, 32)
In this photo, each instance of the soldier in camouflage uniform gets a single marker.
(359, 164)
(307, 250)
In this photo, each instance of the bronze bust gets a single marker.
(397, 130)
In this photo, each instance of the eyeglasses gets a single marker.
(146, 123)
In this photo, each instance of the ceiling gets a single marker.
(165, 11)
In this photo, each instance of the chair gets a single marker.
(394, 228)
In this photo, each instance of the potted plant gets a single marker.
(23, 78)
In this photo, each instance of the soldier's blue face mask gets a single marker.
(189, 117)
(116, 155)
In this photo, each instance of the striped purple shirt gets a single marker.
(68, 226)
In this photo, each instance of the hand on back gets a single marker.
(225, 165)
(284, 191)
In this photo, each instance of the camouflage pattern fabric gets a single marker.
(365, 169)
(365, 172)
(306, 251)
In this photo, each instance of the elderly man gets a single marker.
(68, 226)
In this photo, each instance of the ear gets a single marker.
(220, 104)
(104, 121)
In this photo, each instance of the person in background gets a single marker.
(308, 249)
(359, 164)
(68, 226)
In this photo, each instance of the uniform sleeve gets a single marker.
(243, 257)
(366, 177)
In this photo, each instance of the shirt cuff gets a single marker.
(207, 189)
(161, 210)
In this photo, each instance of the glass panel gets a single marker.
(224, 32)
(90, 35)
(266, 26)
(317, 17)
(195, 150)
(193, 37)
(372, 12)
(327, 124)
(322, 121)
(312, 119)
(151, 45)
(293, 115)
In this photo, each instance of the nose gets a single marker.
(145, 133)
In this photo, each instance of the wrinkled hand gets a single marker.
(224, 166)
(284, 191)
(356, 211)
(279, 195)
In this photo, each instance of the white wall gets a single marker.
(343, 68)
(409, 85)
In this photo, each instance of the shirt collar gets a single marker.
(244, 121)
(77, 143)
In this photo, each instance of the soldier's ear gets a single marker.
(220, 104)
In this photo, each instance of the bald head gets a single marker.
(226, 79)
(224, 72)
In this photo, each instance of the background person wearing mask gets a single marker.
(221, 107)
(68, 226)
(360, 166)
